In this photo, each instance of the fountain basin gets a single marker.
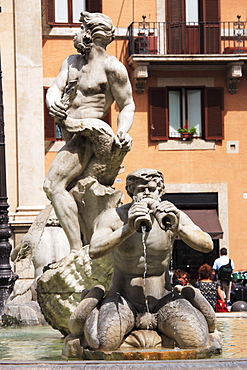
(42, 343)
(143, 345)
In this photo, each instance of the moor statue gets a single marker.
(140, 237)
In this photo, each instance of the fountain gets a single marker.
(74, 307)
(139, 310)
(124, 309)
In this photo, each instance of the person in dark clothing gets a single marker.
(210, 289)
(223, 260)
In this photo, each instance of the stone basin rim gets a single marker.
(239, 363)
(155, 354)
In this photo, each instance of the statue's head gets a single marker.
(99, 26)
(145, 176)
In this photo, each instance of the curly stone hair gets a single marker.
(100, 25)
(145, 174)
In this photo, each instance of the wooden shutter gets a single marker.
(50, 12)
(94, 6)
(175, 10)
(211, 11)
(158, 114)
(210, 15)
(214, 113)
(50, 124)
(175, 27)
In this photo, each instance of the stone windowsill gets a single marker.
(195, 144)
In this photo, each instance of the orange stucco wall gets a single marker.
(125, 12)
(230, 10)
(200, 166)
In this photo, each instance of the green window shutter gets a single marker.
(214, 113)
(158, 114)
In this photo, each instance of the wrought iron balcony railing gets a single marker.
(187, 38)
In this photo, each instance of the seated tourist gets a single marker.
(180, 277)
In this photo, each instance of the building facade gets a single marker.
(187, 64)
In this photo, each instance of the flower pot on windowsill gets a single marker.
(187, 134)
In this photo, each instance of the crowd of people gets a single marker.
(214, 282)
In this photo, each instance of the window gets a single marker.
(184, 107)
(173, 107)
(193, 26)
(67, 12)
(192, 12)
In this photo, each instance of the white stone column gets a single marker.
(161, 18)
(30, 120)
(7, 48)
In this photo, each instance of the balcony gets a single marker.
(181, 44)
(187, 38)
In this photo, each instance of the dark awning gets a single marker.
(207, 220)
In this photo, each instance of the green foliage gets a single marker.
(192, 130)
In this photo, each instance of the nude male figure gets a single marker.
(84, 89)
(115, 232)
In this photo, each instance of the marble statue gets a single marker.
(140, 308)
(43, 244)
(79, 98)
(79, 182)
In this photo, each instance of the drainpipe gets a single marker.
(7, 277)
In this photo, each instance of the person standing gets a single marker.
(210, 289)
(222, 269)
